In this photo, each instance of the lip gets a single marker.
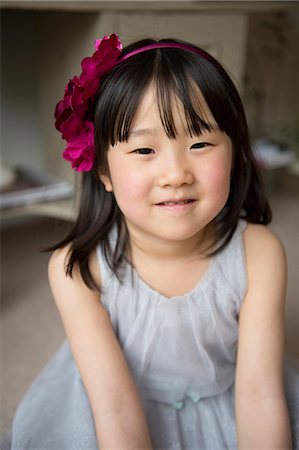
(178, 204)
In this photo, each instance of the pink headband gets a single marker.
(186, 47)
(73, 113)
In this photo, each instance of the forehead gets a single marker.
(150, 111)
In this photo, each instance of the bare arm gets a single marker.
(261, 411)
(119, 419)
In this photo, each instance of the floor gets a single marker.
(31, 328)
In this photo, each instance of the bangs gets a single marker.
(125, 86)
(178, 91)
(171, 91)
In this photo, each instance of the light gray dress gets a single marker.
(181, 352)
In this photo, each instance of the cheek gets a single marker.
(217, 177)
(128, 186)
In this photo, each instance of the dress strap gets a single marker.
(232, 263)
(242, 225)
(103, 265)
(105, 271)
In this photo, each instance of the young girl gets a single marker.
(170, 286)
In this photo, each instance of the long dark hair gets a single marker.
(172, 71)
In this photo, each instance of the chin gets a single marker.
(179, 234)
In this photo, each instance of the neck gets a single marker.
(153, 248)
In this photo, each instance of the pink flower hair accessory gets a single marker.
(74, 112)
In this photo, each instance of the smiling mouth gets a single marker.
(181, 202)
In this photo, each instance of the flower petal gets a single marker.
(71, 127)
(73, 112)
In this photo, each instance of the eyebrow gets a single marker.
(151, 131)
(141, 132)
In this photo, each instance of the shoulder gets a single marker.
(264, 252)
(58, 260)
(256, 234)
(66, 289)
(57, 267)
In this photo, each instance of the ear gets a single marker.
(106, 182)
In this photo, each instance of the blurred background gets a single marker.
(42, 44)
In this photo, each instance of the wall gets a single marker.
(53, 44)
(272, 68)
(222, 34)
(20, 124)
(40, 52)
(65, 39)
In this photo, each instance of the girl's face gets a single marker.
(169, 189)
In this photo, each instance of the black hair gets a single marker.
(172, 71)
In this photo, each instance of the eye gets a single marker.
(144, 151)
(200, 145)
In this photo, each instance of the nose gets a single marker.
(175, 170)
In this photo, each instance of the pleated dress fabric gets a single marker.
(181, 352)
